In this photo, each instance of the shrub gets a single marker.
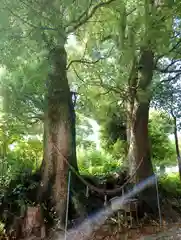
(96, 162)
(170, 185)
(25, 157)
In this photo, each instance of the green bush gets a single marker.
(96, 162)
(25, 157)
(170, 185)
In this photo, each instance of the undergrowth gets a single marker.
(170, 185)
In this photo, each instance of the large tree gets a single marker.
(125, 59)
(41, 30)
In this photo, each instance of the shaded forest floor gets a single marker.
(144, 230)
(147, 232)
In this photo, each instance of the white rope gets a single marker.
(67, 208)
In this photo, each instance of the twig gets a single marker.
(168, 71)
(169, 79)
(82, 61)
(86, 61)
(86, 16)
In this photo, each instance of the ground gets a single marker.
(146, 232)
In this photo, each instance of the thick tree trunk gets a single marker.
(138, 114)
(177, 144)
(59, 139)
(139, 147)
(57, 133)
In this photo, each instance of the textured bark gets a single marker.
(57, 133)
(138, 114)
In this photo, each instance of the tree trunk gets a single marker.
(59, 139)
(177, 144)
(139, 148)
(57, 133)
(138, 115)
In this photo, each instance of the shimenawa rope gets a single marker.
(94, 188)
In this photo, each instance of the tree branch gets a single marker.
(82, 61)
(86, 16)
(86, 61)
(81, 15)
(170, 50)
(103, 85)
(169, 79)
(173, 61)
(175, 46)
(166, 70)
(78, 76)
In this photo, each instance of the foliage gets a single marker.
(108, 41)
(84, 130)
(163, 149)
(160, 128)
(25, 157)
(167, 92)
(97, 162)
(170, 185)
(20, 192)
(119, 150)
(113, 125)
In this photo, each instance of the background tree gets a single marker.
(129, 73)
(167, 96)
(162, 148)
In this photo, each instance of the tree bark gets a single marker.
(57, 133)
(138, 115)
(177, 144)
(59, 139)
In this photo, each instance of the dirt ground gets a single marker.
(146, 232)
